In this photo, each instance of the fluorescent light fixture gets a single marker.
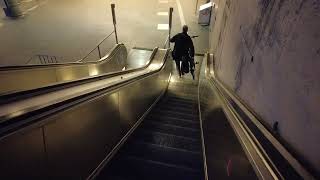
(163, 1)
(162, 13)
(163, 26)
(205, 6)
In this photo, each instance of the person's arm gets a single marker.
(173, 39)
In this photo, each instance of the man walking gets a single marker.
(183, 49)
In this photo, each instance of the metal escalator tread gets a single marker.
(175, 121)
(171, 129)
(135, 168)
(181, 100)
(167, 155)
(181, 105)
(188, 110)
(183, 97)
(167, 145)
(169, 140)
(177, 115)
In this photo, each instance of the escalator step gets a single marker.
(179, 99)
(171, 129)
(177, 122)
(178, 104)
(172, 114)
(163, 154)
(180, 90)
(168, 140)
(164, 118)
(169, 125)
(184, 96)
(134, 168)
(166, 107)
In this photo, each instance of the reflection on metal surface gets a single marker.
(138, 57)
(93, 71)
(174, 79)
(21, 78)
(15, 114)
(154, 66)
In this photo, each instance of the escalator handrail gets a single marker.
(7, 117)
(21, 78)
(7, 98)
(13, 124)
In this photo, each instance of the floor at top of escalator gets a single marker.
(166, 145)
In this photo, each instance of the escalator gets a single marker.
(143, 123)
(29, 77)
(167, 145)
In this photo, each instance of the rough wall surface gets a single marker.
(268, 52)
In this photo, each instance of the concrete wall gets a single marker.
(268, 52)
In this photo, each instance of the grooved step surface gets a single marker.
(169, 140)
(143, 169)
(166, 145)
(191, 110)
(171, 114)
(171, 129)
(179, 104)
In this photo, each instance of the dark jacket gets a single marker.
(183, 46)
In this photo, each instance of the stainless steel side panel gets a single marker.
(229, 151)
(224, 155)
(77, 140)
(17, 79)
(135, 98)
(23, 155)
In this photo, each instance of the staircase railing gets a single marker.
(97, 49)
(46, 59)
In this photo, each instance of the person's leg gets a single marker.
(192, 67)
(178, 67)
(181, 66)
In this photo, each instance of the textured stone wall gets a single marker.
(268, 52)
